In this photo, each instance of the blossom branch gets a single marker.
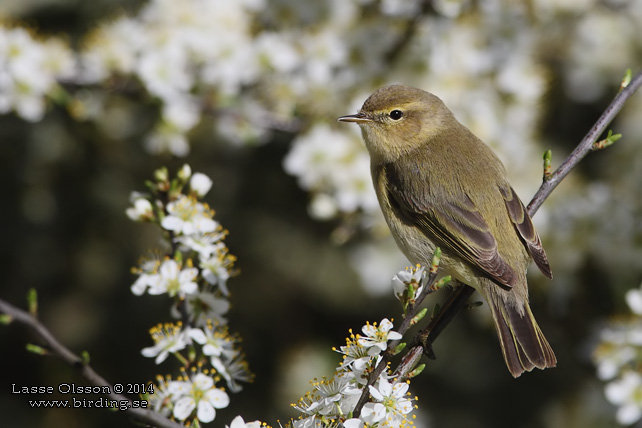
(76, 362)
(412, 315)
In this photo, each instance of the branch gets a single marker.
(586, 145)
(412, 315)
(74, 361)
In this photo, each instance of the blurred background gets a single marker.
(94, 96)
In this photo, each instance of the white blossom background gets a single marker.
(96, 95)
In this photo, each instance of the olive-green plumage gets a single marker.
(439, 185)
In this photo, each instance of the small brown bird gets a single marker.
(440, 185)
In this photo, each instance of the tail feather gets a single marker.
(523, 343)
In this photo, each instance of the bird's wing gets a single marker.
(526, 230)
(454, 224)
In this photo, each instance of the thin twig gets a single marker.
(585, 146)
(74, 361)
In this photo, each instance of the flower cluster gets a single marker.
(30, 70)
(194, 275)
(181, 397)
(618, 358)
(334, 166)
(332, 401)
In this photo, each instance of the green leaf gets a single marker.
(419, 316)
(32, 301)
(548, 156)
(400, 347)
(39, 350)
(626, 79)
(420, 368)
(441, 283)
(436, 258)
(610, 139)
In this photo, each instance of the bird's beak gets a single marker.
(356, 118)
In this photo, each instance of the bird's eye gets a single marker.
(396, 114)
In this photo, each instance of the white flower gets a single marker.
(392, 403)
(181, 114)
(204, 244)
(239, 66)
(225, 357)
(309, 422)
(216, 343)
(148, 277)
(215, 270)
(164, 70)
(354, 423)
(323, 207)
(167, 139)
(278, 50)
(410, 276)
(373, 412)
(626, 393)
(611, 359)
(187, 216)
(353, 185)
(233, 371)
(185, 172)
(315, 156)
(324, 51)
(173, 280)
(204, 306)
(28, 71)
(331, 397)
(200, 184)
(333, 163)
(160, 401)
(198, 393)
(238, 422)
(357, 359)
(112, 48)
(634, 300)
(169, 338)
(142, 210)
(376, 338)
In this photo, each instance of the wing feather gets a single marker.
(455, 224)
(526, 230)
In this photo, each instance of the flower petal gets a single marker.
(205, 412)
(183, 408)
(218, 398)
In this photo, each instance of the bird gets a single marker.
(439, 185)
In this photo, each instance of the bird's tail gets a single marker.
(523, 343)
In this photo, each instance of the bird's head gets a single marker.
(397, 119)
